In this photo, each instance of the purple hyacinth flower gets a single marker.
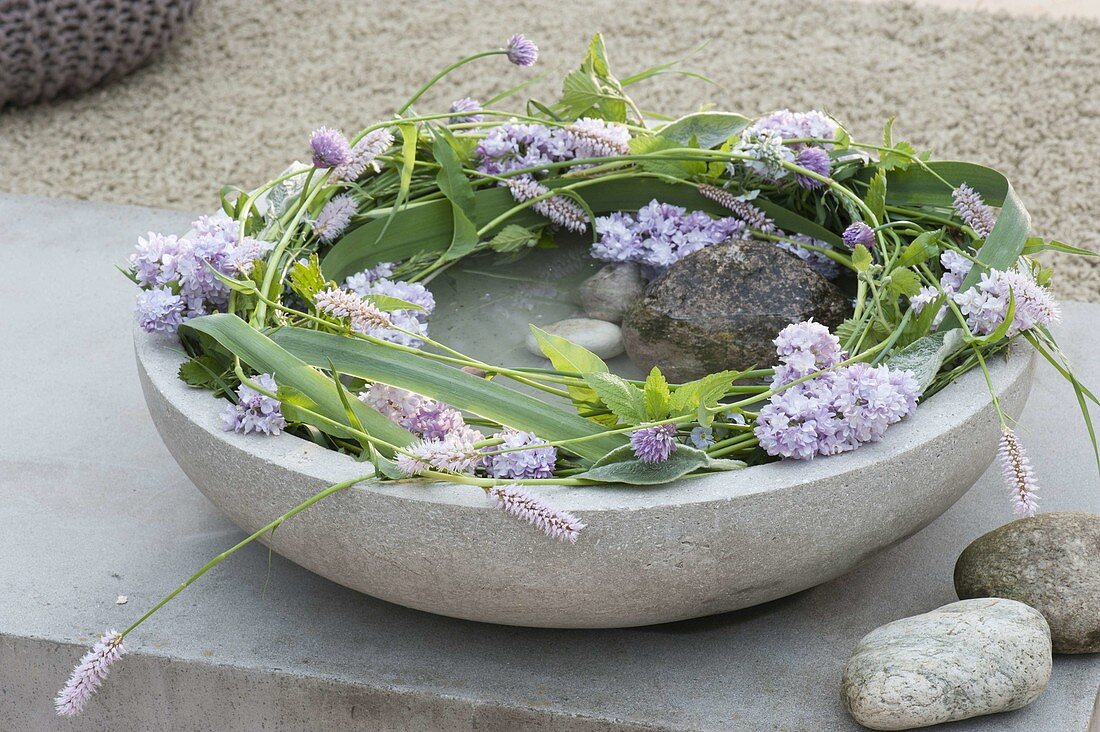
(330, 148)
(814, 159)
(538, 462)
(859, 233)
(255, 412)
(654, 444)
(521, 51)
(159, 310)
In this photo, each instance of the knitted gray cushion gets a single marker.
(52, 47)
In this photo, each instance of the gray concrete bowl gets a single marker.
(649, 555)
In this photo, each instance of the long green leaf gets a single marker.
(429, 227)
(452, 386)
(456, 187)
(705, 129)
(622, 466)
(261, 353)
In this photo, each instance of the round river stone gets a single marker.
(609, 293)
(962, 660)
(721, 307)
(1051, 562)
(602, 338)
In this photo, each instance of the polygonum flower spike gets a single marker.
(1018, 474)
(557, 524)
(89, 675)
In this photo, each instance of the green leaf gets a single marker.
(626, 401)
(925, 357)
(1037, 244)
(513, 238)
(924, 247)
(205, 372)
(452, 386)
(701, 392)
(657, 396)
(1003, 246)
(904, 282)
(899, 157)
(861, 258)
(568, 356)
(623, 466)
(875, 197)
(409, 138)
(708, 129)
(305, 278)
(265, 355)
(664, 166)
(388, 303)
(457, 188)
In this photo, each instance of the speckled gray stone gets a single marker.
(599, 336)
(962, 660)
(1051, 562)
(721, 307)
(609, 293)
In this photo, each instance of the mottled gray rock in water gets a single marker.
(602, 338)
(1051, 562)
(962, 660)
(720, 308)
(609, 293)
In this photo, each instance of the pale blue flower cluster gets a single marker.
(376, 281)
(836, 411)
(536, 462)
(660, 234)
(180, 270)
(255, 412)
(765, 141)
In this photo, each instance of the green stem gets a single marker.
(335, 488)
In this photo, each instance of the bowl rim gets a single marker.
(160, 355)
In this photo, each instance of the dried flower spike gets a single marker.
(89, 675)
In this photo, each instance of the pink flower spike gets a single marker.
(1018, 474)
(556, 524)
(89, 675)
